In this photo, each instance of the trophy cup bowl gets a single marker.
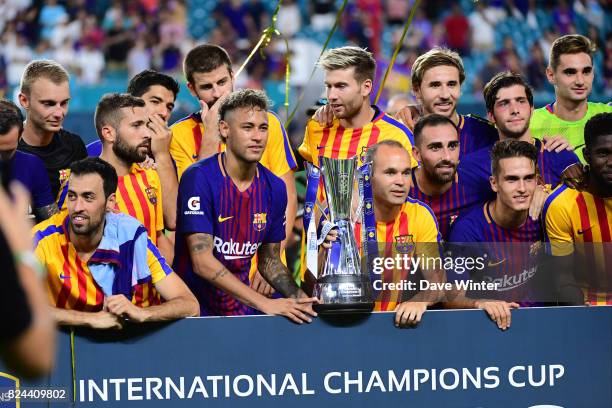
(342, 286)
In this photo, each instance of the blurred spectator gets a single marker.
(508, 51)
(563, 18)
(322, 15)
(257, 16)
(437, 37)
(17, 54)
(397, 11)
(481, 25)
(139, 57)
(51, 15)
(546, 43)
(117, 42)
(65, 54)
(234, 12)
(420, 31)
(591, 11)
(536, 69)
(9, 10)
(289, 20)
(172, 22)
(43, 50)
(491, 68)
(89, 64)
(457, 30)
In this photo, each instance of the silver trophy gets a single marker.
(342, 286)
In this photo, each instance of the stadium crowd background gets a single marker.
(104, 43)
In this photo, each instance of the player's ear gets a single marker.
(108, 134)
(416, 91)
(23, 100)
(416, 153)
(111, 201)
(490, 117)
(587, 155)
(366, 87)
(223, 128)
(493, 182)
(192, 90)
(550, 75)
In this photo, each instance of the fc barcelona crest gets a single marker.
(64, 174)
(259, 221)
(404, 244)
(152, 195)
(362, 155)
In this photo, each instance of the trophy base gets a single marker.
(343, 308)
(343, 294)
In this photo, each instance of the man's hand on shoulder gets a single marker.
(556, 144)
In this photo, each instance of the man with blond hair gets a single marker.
(45, 94)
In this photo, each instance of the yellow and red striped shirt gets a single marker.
(70, 283)
(187, 138)
(581, 222)
(338, 142)
(414, 232)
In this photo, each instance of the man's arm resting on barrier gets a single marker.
(94, 320)
(560, 269)
(179, 302)
(498, 310)
(208, 267)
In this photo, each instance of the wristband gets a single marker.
(28, 258)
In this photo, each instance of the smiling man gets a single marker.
(502, 233)
(44, 94)
(230, 208)
(571, 72)
(95, 258)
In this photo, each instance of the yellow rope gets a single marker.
(397, 48)
(73, 361)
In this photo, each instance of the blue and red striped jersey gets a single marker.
(238, 221)
(466, 191)
(511, 256)
(475, 133)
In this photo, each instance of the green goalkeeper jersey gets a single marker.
(545, 123)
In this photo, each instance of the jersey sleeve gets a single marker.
(558, 228)
(195, 209)
(179, 148)
(278, 156)
(305, 149)
(157, 264)
(276, 232)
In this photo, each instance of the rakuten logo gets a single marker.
(235, 250)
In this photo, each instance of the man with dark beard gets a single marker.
(439, 181)
(121, 123)
(94, 257)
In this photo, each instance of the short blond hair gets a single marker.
(37, 69)
(348, 57)
(570, 44)
(437, 56)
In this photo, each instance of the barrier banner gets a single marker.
(550, 357)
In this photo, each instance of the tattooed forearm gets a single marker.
(43, 213)
(221, 272)
(199, 243)
(272, 269)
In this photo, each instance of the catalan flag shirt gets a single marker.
(125, 257)
(544, 122)
(475, 133)
(239, 222)
(187, 139)
(581, 223)
(338, 142)
(138, 194)
(414, 232)
(509, 257)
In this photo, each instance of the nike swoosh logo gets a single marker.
(223, 219)
(582, 231)
(492, 264)
(320, 147)
(62, 276)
